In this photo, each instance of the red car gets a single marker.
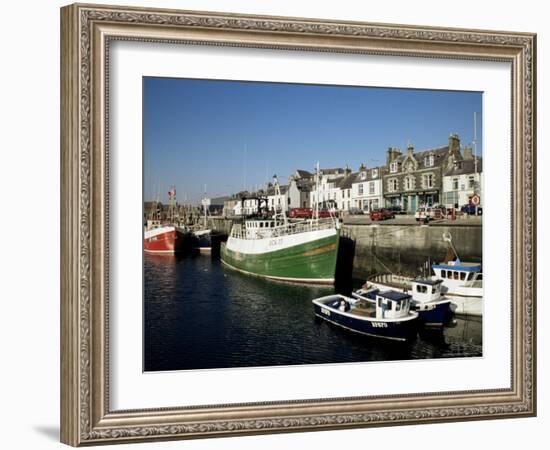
(324, 214)
(307, 213)
(381, 214)
(300, 213)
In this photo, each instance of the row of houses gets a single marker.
(448, 175)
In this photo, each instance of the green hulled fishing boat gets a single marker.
(303, 251)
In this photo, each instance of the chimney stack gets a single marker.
(468, 155)
(454, 143)
(389, 156)
(347, 170)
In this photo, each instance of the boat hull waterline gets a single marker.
(460, 304)
(167, 240)
(203, 241)
(432, 314)
(305, 258)
(402, 329)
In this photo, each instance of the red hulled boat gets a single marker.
(166, 236)
(165, 240)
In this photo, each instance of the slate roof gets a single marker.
(282, 187)
(333, 171)
(466, 166)
(383, 170)
(304, 185)
(304, 173)
(346, 182)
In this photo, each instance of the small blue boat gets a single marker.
(426, 299)
(388, 317)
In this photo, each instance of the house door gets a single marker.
(429, 200)
(413, 204)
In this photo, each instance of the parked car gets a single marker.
(424, 214)
(471, 209)
(381, 214)
(356, 211)
(439, 212)
(396, 209)
(300, 213)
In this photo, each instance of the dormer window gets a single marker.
(363, 175)
(429, 161)
(393, 167)
(374, 173)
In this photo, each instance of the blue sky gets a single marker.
(233, 135)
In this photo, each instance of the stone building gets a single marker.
(415, 179)
(229, 206)
(216, 205)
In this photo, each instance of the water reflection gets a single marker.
(199, 314)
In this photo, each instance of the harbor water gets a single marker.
(199, 314)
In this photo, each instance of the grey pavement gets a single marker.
(404, 219)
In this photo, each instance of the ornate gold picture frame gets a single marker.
(87, 31)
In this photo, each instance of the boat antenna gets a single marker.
(244, 164)
(475, 143)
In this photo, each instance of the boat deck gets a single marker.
(363, 312)
(361, 309)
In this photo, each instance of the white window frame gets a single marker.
(393, 167)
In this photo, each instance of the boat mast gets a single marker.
(316, 206)
(172, 204)
(204, 206)
(277, 189)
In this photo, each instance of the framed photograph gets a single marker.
(275, 224)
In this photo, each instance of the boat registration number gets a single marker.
(273, 242)
(325, 311)
(379, 324)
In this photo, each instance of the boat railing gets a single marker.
(239, 232)
(392, 279)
